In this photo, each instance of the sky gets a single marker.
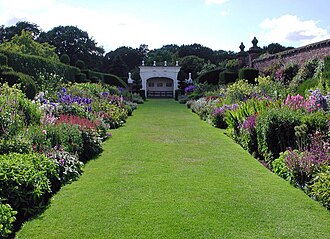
(217, 24)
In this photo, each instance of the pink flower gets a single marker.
(44, 131)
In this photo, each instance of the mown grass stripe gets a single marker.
(167, 174)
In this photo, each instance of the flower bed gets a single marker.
(288, 133)
(45, 142)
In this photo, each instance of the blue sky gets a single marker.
(218, 24)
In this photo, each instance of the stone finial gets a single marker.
(255, 42)
(142, 63)
(177, 63)
(242, 47)
(154, 63)
(130, 80)
(165, 63)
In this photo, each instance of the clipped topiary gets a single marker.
(226, 77)
(28, 85)
(65, 59)
(3, 60)
(80, 64)
(249, 74)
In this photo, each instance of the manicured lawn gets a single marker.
(167, 174)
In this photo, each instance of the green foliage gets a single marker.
(275, 131)
(15, 144)
(34, 65)
(7, 33)
(306, 85)
(289, 72)
(279, 166)
(94, 76)
(267, 87)
(192, 64)
(65, 59)
(16, 112)
(309, 72)
(80, 64)
(27, 84)
(315, 121)
(7, 219)
(92, 145)
(320, 187)
(76, 43)
(3, 60)
(226, 77)
(114, 80)
(232, 65)
(131, 57)
(67, 136)
(239, 91)
(69, 166)
(25, 44)
(249, 74)
(26, 181)
(211, 77)
(81, 78)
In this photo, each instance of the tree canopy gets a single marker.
(76, 43)
(7, 33)
(25, 44)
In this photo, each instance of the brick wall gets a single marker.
(298, 55)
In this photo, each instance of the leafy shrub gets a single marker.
(320, 187)
(114, 81)
(211, 77)
(16, 111)
(25, 44)
(249, 74)
(15, 144)
(80, 64)
(34, 65)
(226, 77)
(316, 121)
(279, 166)
(275, 131)
(304, 165)
(248, 135)
(92, 145)
(306, 85)
(238, 92)
(26, 181)
(7, 219)
(3, 60)
(27, 84)
(81, 78)
(268, 88)
(289, 72)
(94, 76)
(65, 59)
(218, 115)
(69, 166)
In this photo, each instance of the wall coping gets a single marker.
(316, 45)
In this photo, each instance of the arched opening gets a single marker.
(160, 87)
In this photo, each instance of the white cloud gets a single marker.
(209, 2)
(291, 30)
(225, 13)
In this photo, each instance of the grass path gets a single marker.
(167, 174)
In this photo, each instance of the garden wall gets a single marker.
(298, 55)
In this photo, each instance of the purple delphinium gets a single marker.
(250, 123)
(304, 164)
(222, 110)
(189, 89)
